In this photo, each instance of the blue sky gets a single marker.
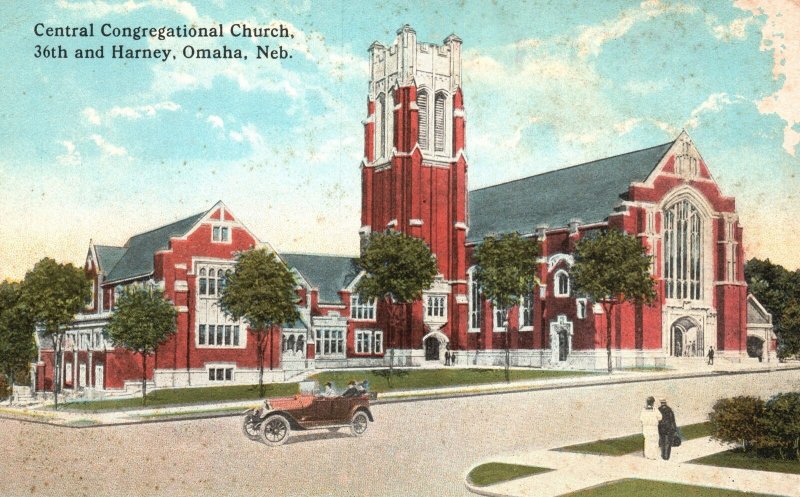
(106, 148)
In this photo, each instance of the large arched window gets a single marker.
(422, 105)
(561, 285)
(683, 251)
(439, 133)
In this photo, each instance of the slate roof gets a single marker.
(329, 273)
(108, 256)
(138, 258)
(588, 192)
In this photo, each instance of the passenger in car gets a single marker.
(352, 390)
(329, 390)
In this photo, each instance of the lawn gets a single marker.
(632, 443)
(496, 472)
(625, 488)
(743, 460)
(183, 396)
(410, 379)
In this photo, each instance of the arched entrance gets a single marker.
(435, 344)
(560, 339)
(686, 338)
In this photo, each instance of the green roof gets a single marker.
(328, 273)
(138, 258)
(108, 257)
(588, 192)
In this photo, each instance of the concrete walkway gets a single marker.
(575, 472)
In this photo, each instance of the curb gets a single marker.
(399, 397)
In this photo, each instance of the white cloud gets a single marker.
(735, 30)
(216, 121)
(592, 38)
(108, 149)
(236, 136)
(100, 8)
(714, 103)
(91, 115)
(71, 156)
(142, 110)
(781, 35)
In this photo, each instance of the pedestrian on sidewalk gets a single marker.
(650, 417)
(667, 430)
(447, 358)
(710, 355)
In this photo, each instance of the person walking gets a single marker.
(667, 429)
(710, 355)
(650, 417)
(447, 358)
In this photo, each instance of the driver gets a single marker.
(329, 390)
(352, 390)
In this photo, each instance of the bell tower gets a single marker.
(414, 171)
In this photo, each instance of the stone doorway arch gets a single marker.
(435, 344)
(686, 338)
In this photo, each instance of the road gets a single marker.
(414, 449)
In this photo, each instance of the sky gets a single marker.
(103, 149)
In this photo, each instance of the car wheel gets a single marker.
(250, 427)
(275, 430)
(359, 423)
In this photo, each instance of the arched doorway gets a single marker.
(686, 338)
(435, 343)
(560, 339)
(755, 346)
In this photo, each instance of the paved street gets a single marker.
(416, 448)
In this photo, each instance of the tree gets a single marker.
(612, 268)
(778, 290)
(17, 348)
(53, 294)
(141, 322)
(260, 290)
(398, 268)
(505, 271)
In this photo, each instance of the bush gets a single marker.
(738, 420)
(782, 423)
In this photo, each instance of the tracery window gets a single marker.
(561, 286)
(683, 251)
(526, 311)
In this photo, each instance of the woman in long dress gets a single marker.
(650, 418)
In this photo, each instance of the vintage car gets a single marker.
(308, 410)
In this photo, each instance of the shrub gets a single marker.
(738, 420)
(782, 425)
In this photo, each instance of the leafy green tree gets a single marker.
(17, 347)
(738, 420)
(260, 290)
(141, 322)
(398, 269)
(778, 290)
(506, 270)
(53, 294)
(613, 268)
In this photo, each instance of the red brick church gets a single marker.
(415, 180)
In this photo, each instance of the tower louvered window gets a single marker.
(683, 251)
(380, 126)
(438, 123)
(422, 105)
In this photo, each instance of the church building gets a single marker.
(414, 179)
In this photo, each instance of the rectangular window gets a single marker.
(236, 335)
(228, 374)
(219, 334)
(201, 334)
(439, 123)
(436, 306)
(220, 374)
(212, 286)
(330, 342)
(369, 342)
(378, 342)
(361, 311)
(216, 233)
(499, 319)
(220, 234)
(228, 334)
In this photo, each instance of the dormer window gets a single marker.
(361, 311)
(221, 234)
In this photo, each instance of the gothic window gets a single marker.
(475, 304)
(499, 319)
(203, 284)
(526, 311)
(580, 308)
(422, 105)
(380, 126)
(561, 285)
(439, 122)
(683, 251)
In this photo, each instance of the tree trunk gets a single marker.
(144, 379)
(507, 346)
(260, 359)
(271, 352)
(57, 369)
(392, 324)
(608, 309)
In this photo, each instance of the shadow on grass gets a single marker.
(629, 444)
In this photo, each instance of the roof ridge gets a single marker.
(165, 226)
(573, 166)
(315, 254)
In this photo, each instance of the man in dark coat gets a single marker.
(667, 429)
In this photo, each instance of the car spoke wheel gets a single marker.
(359, 423)
(275, 430)
(250, 427)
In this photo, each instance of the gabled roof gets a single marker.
(328, 273)
(756, 314)
(588, 192)
(108, 257)
(138, 258)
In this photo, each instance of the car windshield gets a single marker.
(309, 388)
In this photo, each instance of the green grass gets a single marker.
(632, 443)
(183, 396)
(496, 472)
(410, 379)
(629, 487)
(744, 460)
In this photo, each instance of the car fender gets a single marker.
(293, 423)
(361, 408)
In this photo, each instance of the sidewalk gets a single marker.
(80, 419)
(575, 472)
